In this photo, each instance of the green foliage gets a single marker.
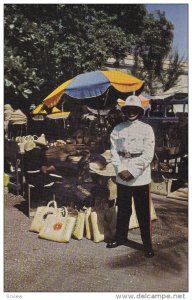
(153, 49)
(129, 18)
(169, 77)
(21, 71)
(47, 44)
(88, 39)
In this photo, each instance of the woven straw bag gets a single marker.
(41, 215)
(55, 226)
(79, 226)
(69, 227)
(88, 226)
(161, 187)
(97, 221)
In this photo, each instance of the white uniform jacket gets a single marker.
(136, 139)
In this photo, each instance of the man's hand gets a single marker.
(46, 169)
(125, 175)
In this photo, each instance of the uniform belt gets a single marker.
(129, 155)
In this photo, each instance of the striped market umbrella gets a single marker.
(39, 113)
(97, 88)
(39, 110)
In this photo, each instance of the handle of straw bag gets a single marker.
(27, 138)
(64, 211)
(52, 202)
(61, 212)
(35, 137)
(47, 211)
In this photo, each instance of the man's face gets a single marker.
(131, 112)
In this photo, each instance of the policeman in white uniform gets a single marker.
(132, 149)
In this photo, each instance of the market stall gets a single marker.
(78, 165)
(85, 185)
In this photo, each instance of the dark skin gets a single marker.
(132, 113)
(125, 175)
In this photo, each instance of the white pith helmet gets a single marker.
(133, 101)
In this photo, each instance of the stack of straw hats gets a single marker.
(18, 117)
(108, 170)
(8, 110)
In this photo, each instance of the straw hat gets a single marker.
(19, 122)
(18, 113)
(7, 114)
(98, 161)
(18, 117)
(96, 166)
(107, 155)
(41, 140)
(107, 171)
(8, 107)
(30, 145)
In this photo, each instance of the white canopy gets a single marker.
(173, 92)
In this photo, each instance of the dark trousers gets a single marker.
(141, 195)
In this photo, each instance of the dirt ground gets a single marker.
(32, 264)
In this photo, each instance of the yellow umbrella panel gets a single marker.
(39, 110)
(59, 115)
